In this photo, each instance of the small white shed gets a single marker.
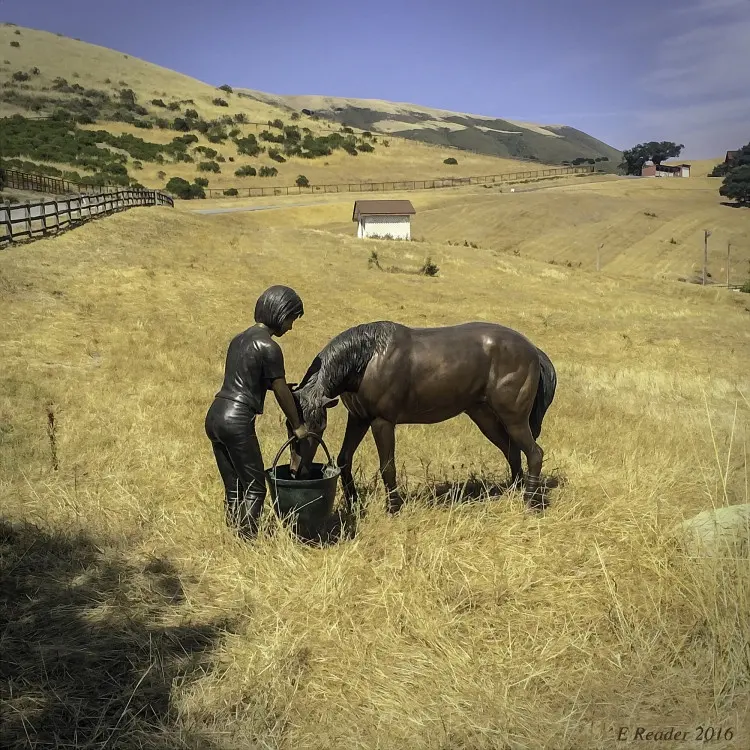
(381, 218)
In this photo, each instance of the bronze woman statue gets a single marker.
(254, 365)
(388, 374)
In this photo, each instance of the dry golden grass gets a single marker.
(97, 67)
(137, 619)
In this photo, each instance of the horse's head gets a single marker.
(312, 407)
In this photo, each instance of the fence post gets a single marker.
(28, 218)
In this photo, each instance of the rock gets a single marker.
(717, 531)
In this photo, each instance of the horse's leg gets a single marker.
(520, 433)
(494, 430)
(385, 439)
(514, 459)
(356, 429)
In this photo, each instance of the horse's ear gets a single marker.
(329, 403)
(293, 386)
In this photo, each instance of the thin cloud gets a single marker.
(698, 85)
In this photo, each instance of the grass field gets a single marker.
(135, 618)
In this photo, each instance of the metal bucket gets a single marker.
(308, 502)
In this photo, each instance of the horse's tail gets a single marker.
(544, 394)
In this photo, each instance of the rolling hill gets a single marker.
(479, 133)
(93, 114)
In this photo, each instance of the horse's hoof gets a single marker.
(395, 505)
(536, 505)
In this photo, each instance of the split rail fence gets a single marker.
(376, 187)
(28, 220)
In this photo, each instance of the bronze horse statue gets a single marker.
(387, 374)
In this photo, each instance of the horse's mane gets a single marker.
(346, 356)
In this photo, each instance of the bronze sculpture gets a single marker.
(386, 374)
(254, 365)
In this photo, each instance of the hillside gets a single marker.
(487, 135)
(122, 120)
(644, 228)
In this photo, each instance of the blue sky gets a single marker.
(623, 72)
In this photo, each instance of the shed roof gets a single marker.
(382, 208)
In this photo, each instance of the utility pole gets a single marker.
(729, 250)
(706, 235)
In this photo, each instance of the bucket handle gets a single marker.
(291, 439)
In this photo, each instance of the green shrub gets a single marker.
(191, 114)
(202, 181)
(450, 160)
(274, 154)
(302, 181)
(19, 75)
(220, 102)
(271, 137)
(276, 124)
(248, 145)
(185, 139)
(15, 44)
(245, 172)
(181, 124)
(206, 151)
(295, 115)
(183, 189)
(209, 166)
(173, 106)
(366, 147)
(158, 103)
(226, 87)
(231, 191)
(268, 172)
(216, 134)
(241, 118)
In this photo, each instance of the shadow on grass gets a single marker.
(477, 488)
(84, 663)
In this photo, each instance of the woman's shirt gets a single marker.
(254, 361)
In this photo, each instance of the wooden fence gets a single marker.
(28, 220)
(375, 187)
(43, 184)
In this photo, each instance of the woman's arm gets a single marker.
(289, 407)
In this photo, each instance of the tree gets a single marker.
(655, 151)
(736, 185)
(302, 181)
(741, 158)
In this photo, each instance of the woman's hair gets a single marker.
(276, 304)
